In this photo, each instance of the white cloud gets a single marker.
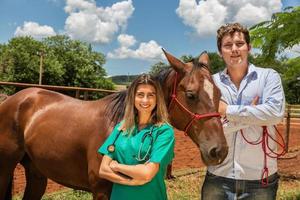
(249, 14)
(35, 30)
(146, 51)
(79, 5)
(126, 40)
(95, 24)
(205, 17)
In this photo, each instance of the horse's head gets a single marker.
(193, 101)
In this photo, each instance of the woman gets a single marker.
(141, 146)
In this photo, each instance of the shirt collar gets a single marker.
(251, 74)
(146, 128)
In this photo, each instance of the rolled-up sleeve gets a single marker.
(109, 141)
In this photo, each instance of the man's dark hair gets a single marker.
(231, 29)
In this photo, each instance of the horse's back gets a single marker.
(59, 131)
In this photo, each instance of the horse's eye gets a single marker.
(190, 95)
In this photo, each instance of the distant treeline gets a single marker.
(123, 79)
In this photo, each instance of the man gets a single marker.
(252, 102)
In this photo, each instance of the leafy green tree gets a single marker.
(23, 51)
(65, 62)
(291, 80)
(186, 58)
(83, 66)
(216, 62)
(157, 67)
(20, 59)
(278, 34)
(273, 37)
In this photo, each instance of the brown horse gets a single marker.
(55, 136)
(3, 97)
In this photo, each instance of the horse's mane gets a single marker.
(116, 107)
(162, 75)
(197, 64)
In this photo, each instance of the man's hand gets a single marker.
(222, 107)
(255, 101)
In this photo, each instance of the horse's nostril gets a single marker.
(217, 154)
(213, 153)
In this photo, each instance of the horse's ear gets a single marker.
(177, 64)
(204, 58)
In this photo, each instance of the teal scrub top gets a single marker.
(126, 152)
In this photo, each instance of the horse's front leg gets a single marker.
(100, 188)
(100, 196)
(102, 191)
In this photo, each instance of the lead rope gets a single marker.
(265, 146)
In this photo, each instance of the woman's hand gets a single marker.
(114, 165)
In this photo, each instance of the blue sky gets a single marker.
(130, 33)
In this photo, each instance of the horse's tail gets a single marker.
(3, 97)
(8, 194)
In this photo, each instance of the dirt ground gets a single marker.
(187, 156)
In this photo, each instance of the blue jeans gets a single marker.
(221, 188)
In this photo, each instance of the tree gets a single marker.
(65, 62)
(216, 62)
(291, 80)
(157, 67)
(273, 37)
(20, 59)
(278, 34)
(186, 58)
(83, 66)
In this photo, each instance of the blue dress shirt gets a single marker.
(246, 161)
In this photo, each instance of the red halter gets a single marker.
(195, 116)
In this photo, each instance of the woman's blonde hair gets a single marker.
(159, 113)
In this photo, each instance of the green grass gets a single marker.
(186, 186)
(67, 194)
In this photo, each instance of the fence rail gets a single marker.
(292, 111)
(60, 88)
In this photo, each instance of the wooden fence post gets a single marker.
(86, 96)
(77, 94)
(287, 128)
